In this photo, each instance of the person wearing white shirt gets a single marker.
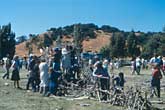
(44, 77)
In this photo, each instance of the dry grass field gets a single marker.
(16, 99)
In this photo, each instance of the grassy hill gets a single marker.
(92, 38)
(88, 44)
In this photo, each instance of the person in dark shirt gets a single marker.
(102, 75)
(31, 75)
(37, 74)
(57, 59)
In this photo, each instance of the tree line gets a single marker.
(133, 44)
(122, 44)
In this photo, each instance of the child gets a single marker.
(119, 80)
(53, 78)
(155, 82)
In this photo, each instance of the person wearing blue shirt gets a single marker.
(53, 81)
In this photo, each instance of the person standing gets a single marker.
(25, 63)
(154, 60)
(7, 67)
(66, 60)
(138, 65)
(37, 74)
(44, 77)
(15, 71)
(31, 75)
(56, 59)
(101, 75)
(155, 81)
(133, 65)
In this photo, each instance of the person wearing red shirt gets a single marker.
(155, 82)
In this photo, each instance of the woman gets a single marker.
(15, 72)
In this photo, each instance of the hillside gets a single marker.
(93, 38)
(94, 44)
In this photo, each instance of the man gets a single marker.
(138, 65)
(31, 75)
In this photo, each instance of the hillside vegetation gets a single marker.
(105, 39)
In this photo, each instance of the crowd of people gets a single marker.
(157, 65)
(63, 65)
(45, 71)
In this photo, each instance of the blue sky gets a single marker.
(36, 16)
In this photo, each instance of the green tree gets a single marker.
(133, 48)
(7, 41)
(117, 45)
(107, 28)
(153, 45)
(47, 40)
(105, 51)
(160, 43)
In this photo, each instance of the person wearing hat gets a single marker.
(155, 81)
